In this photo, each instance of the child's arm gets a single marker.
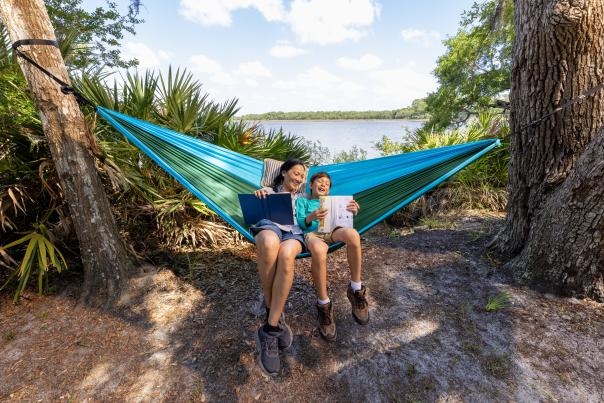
(304, 218)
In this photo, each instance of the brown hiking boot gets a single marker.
(327, 326)
(360, 307)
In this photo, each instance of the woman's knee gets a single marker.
(267, 240)
(288, 250)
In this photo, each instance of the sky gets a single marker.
(298, 55)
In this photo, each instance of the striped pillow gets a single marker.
(272, 168)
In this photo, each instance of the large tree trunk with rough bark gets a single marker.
(554, 232)
(107, 264)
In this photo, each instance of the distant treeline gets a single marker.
(417, 110)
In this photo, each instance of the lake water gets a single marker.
(342, 135)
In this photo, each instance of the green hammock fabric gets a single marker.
(216, 175)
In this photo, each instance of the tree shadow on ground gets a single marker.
(190, 336)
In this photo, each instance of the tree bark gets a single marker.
(557, 55)
(107, 264)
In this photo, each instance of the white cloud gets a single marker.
(253, 69)
(204, 64)
(286, 51)
(364, 63)
(251, 82)
(218, 12)
(400, 86)
(313, 21)
(147, 57)
(418, 35)
(316, 89)
(333, 21)
(224, 78)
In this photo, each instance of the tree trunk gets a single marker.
(555, 217)
(107, 264)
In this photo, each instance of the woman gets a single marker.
(277, 246)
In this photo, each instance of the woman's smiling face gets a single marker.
(320, 186)
(293, 178)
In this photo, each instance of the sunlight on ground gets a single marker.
(99, 375)
(390, 339)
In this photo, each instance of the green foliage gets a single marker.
(499, 301)
(354, 154)
(91, 38)
(417, 110)
(490, 170)
(319, 154)
(39, 251)
(475, 71)
(174, 100)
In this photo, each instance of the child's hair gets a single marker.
(286, 166)
(320, 175)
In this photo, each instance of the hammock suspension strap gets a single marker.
(65, 88)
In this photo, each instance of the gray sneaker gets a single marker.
(268, 350)
(286, 338)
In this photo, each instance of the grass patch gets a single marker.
(497, 365)
(497, 302)
(432, 222)
(472, 348)
(8, 335)
(410, 370)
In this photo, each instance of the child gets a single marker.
(308, 213)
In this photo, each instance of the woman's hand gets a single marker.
(353, 207)
(261, 193)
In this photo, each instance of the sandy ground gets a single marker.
(189, 336)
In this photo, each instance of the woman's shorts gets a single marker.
(283, 235)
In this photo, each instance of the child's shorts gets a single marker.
(325, 237)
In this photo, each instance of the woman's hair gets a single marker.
(286, 166)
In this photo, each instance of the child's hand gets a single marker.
(317, 214)
(353, 207)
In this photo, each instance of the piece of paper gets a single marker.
(337, 215)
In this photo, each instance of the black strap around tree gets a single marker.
(65, 88)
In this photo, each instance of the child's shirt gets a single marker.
(304, 207)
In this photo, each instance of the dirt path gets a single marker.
(190, 337)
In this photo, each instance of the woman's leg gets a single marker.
(352, 239)
(318, 250)
(283, 279)
(267, 244)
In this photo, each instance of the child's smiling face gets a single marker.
(320, 187)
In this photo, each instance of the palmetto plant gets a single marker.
(40, 252)
(174, 100)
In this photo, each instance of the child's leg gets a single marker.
(352, 239)
(318, 250)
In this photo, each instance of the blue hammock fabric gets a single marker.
(217, 175)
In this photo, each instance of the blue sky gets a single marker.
(299, 55)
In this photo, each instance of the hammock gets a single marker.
(217, 175)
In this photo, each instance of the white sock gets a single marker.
(356, 286)
(323, 301)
